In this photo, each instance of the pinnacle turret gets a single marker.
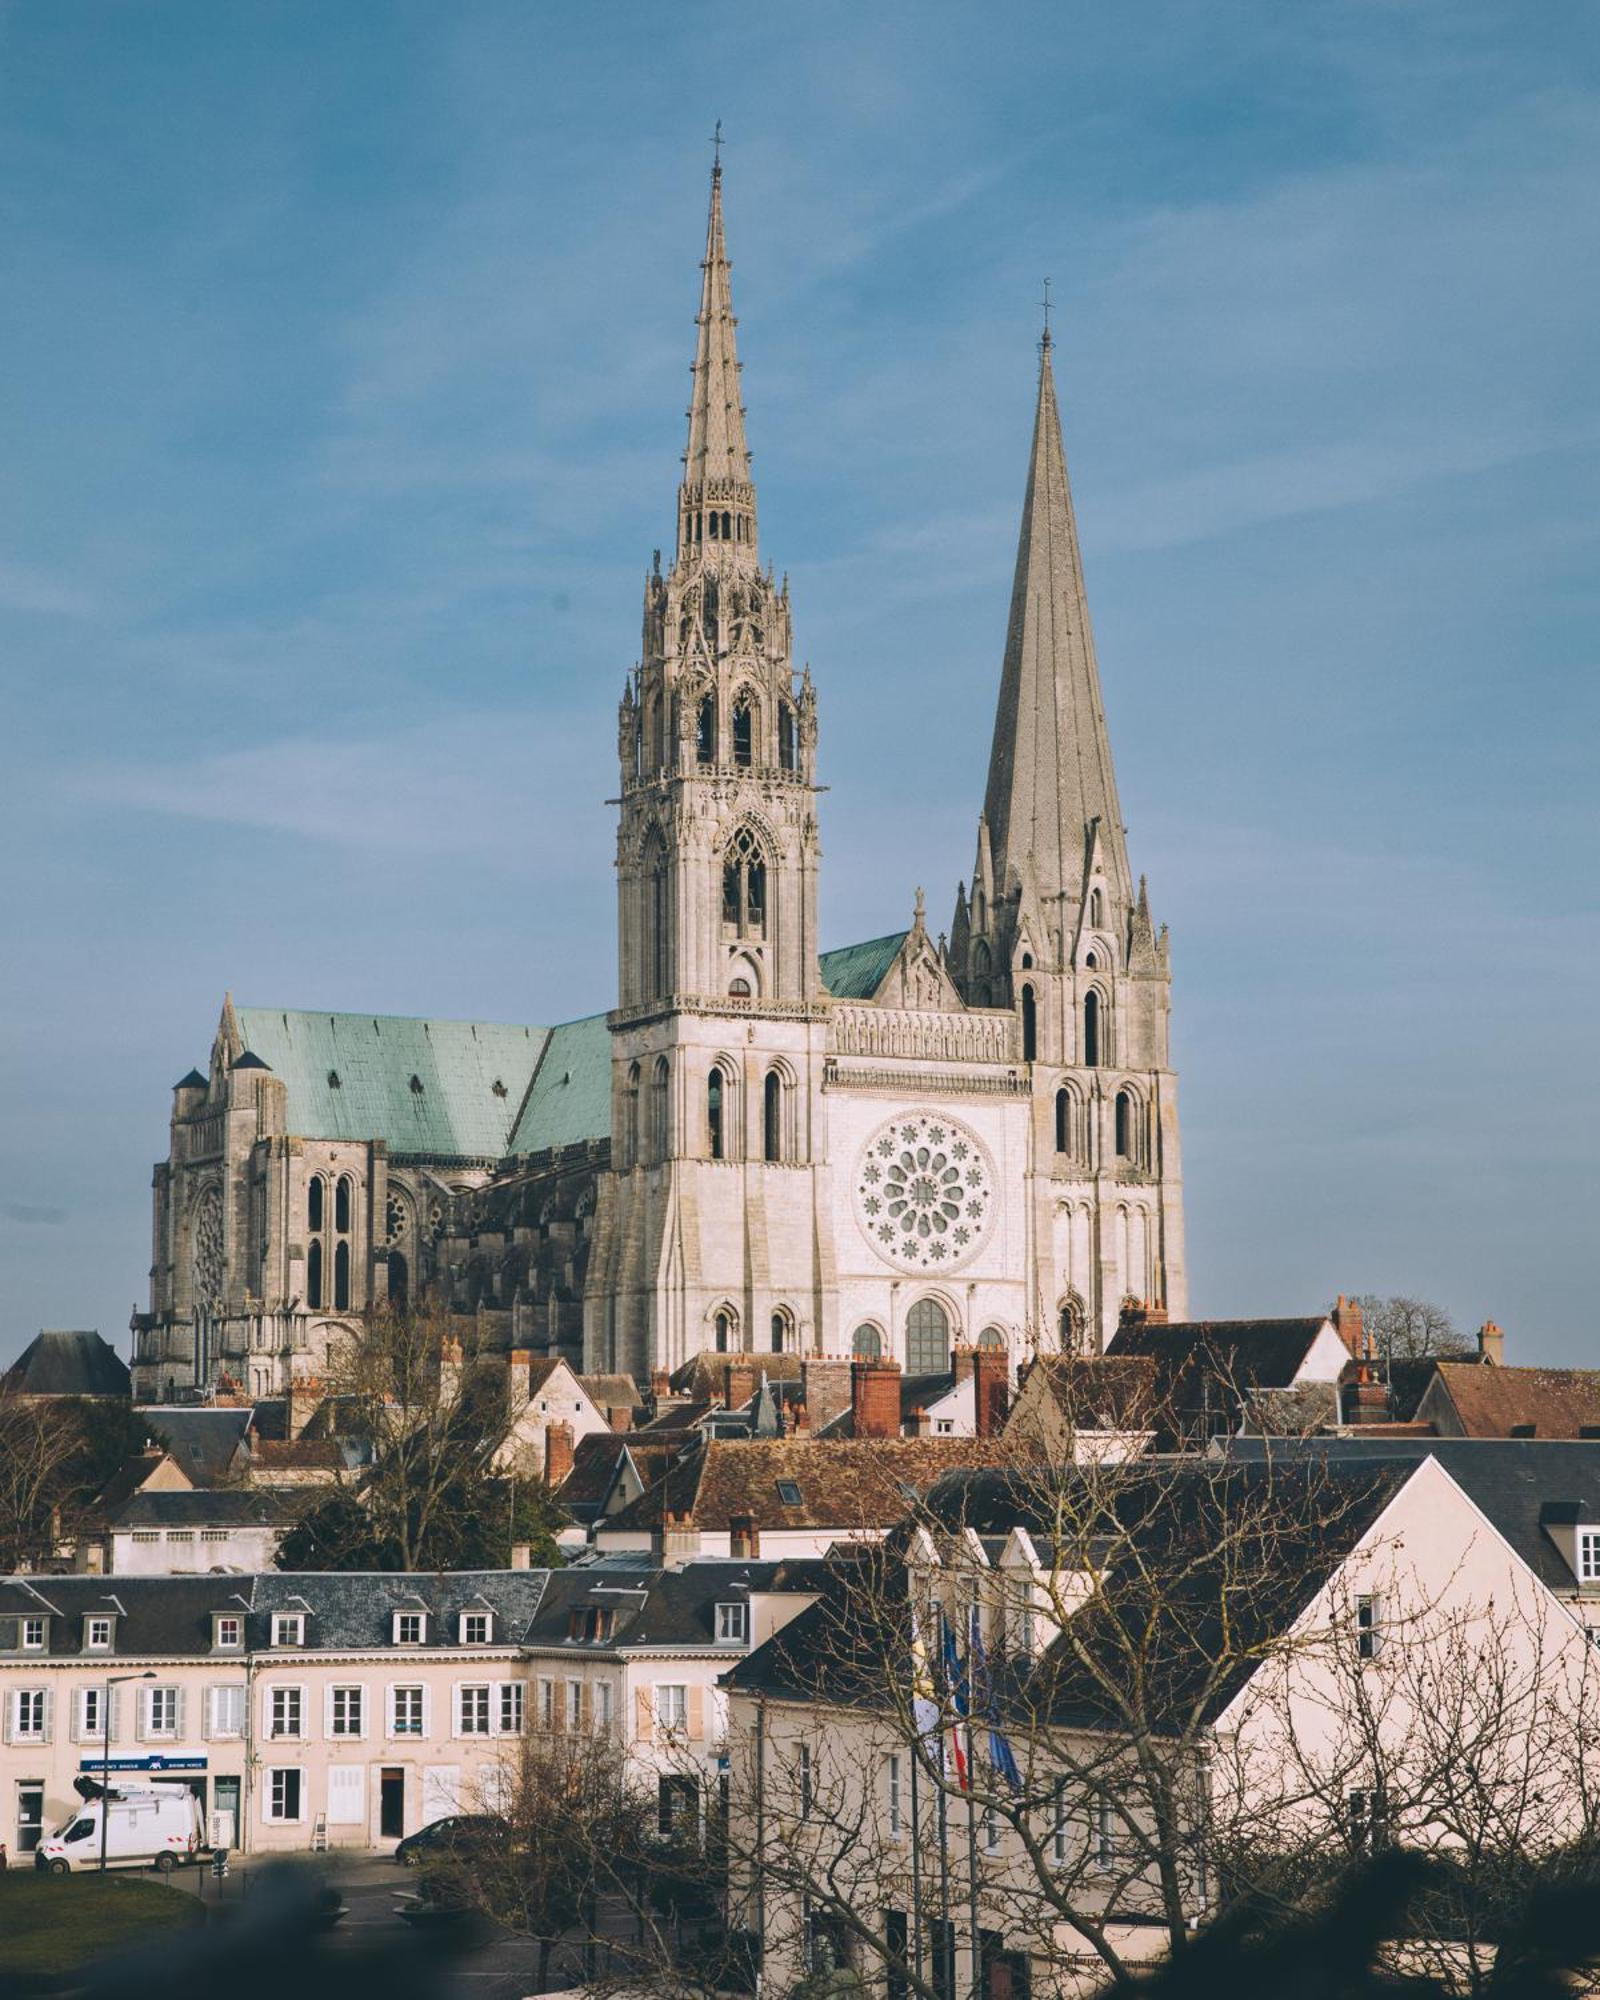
(1050, 770)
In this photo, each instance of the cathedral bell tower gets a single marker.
(717, 1033)
(1055, 929)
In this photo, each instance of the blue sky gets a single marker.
(344, 358)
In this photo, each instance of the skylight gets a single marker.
(789, 1493)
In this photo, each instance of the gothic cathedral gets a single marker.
(889, 1149)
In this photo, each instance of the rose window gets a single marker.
(208, 1247)
(924, 1193)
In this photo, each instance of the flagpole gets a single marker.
(972, 1854)
(916, 1861)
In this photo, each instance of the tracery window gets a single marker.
(1069, 1327)
(657, 978)
(866, 1344)
(927, 1338)
(786, 756)
(705, 732)
(744, 885)
(744, 729)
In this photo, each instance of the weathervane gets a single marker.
(1046, 340)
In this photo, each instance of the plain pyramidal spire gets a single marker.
(1050, 770)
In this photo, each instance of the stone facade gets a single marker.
(892, 1149)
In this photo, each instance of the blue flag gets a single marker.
(1000, 1755)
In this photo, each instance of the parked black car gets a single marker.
(443, 1837)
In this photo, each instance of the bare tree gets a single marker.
(38, 1443)
(1408, 1329)
(429, 1408)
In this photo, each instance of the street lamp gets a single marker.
(111, 1681)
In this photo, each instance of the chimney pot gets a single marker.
(1492, 1344)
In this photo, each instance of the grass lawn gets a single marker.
(52, 1923)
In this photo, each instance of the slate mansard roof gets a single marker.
(171, 1615)
(481, 1090)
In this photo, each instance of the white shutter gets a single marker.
(362, 1717)
(13, 1702)
(347, 1794)
(77, 1729)
(427, 1710)
(141, 1722)
(388, 1709)
(327, 1721)
(182, 1706)
(455, 1708)
(115, 1712)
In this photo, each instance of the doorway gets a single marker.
(391, 1804)
(225, 1829)
(30, 1815)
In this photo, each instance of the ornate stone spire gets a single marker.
(1050, 771)
(717, 499)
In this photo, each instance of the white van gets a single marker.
(153, 1825)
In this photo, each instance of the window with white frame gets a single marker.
(286, 1711)
(602, 1705)
(733, 1624)
(1369, 1627)
(213, 1534)
(180, 1534)
(513, 1694)
(1589, 1555)
(91, 1713)
(229, 1634)
(574, 1718)
(227, 1709)
(288, 1628)
(163, 1708)
(30, 1715)
(284, 1793)
(472, 1711)
(989, 1829)
(410, 1627)
(406, 1711)
(347, 1711)
(33, 1631)
(671, 1705)
(475, 1628)
(97, 1635)
(146, 1535)
(895, 1777)
(1102, 1831)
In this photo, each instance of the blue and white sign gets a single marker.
(154, 1762)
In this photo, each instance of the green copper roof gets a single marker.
(856, 971)
(571, 1096)
(449, 1088)
(469, 1089)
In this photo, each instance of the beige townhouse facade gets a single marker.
(312, 1710)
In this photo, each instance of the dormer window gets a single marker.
(592, 1622)
(1589, 1555)
(227, 1634)
(410, 1627)
(34, 1633)
(733, 1624)
(475, 1628)
(288, 1628)
(97, 1635)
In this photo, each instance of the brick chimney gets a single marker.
(991, 1390)
(875, 1398)
(521, 1367)
(740, 1380)
(962, 1361)
(558, 1452)
(1155, 1313)
(1134, 1313)
(620, 1416)
(1346, 1317)
(660, 1384)
(919, 1424)
(1492, 1344)
(1366, 1401)
(305, 1392)
(825, 1388)
(744, 1537)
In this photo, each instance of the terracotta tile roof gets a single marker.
(300, 1454)
(595, 1460)
(852, 1483)
(1490, 1401)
